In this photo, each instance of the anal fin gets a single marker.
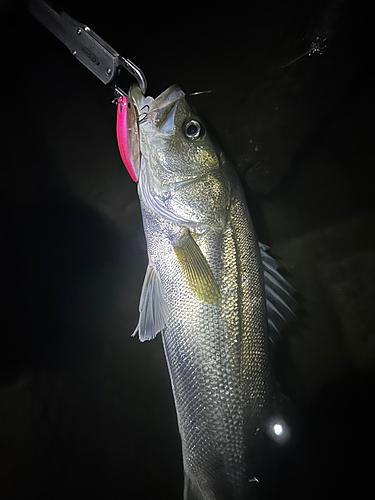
(191, 489)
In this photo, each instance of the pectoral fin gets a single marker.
(196, 270)
(153, 310)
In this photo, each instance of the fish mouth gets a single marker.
(159, 111)
(168, 97)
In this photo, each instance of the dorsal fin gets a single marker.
(281, 305)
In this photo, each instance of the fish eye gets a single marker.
(193, 130)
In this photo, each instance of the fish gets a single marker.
(207, 289)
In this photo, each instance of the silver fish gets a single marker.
(204, 291)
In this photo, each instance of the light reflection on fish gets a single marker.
(204, 290)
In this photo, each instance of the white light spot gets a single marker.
(278, 429)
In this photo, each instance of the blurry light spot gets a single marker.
(278, 429)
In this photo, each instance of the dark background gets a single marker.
(86, 411)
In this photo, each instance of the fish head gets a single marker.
(173, 139)
(183, 175)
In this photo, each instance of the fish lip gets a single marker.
(148, 106)
(166, 98)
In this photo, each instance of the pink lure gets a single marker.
(128, 136)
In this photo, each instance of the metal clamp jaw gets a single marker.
(88, 47)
